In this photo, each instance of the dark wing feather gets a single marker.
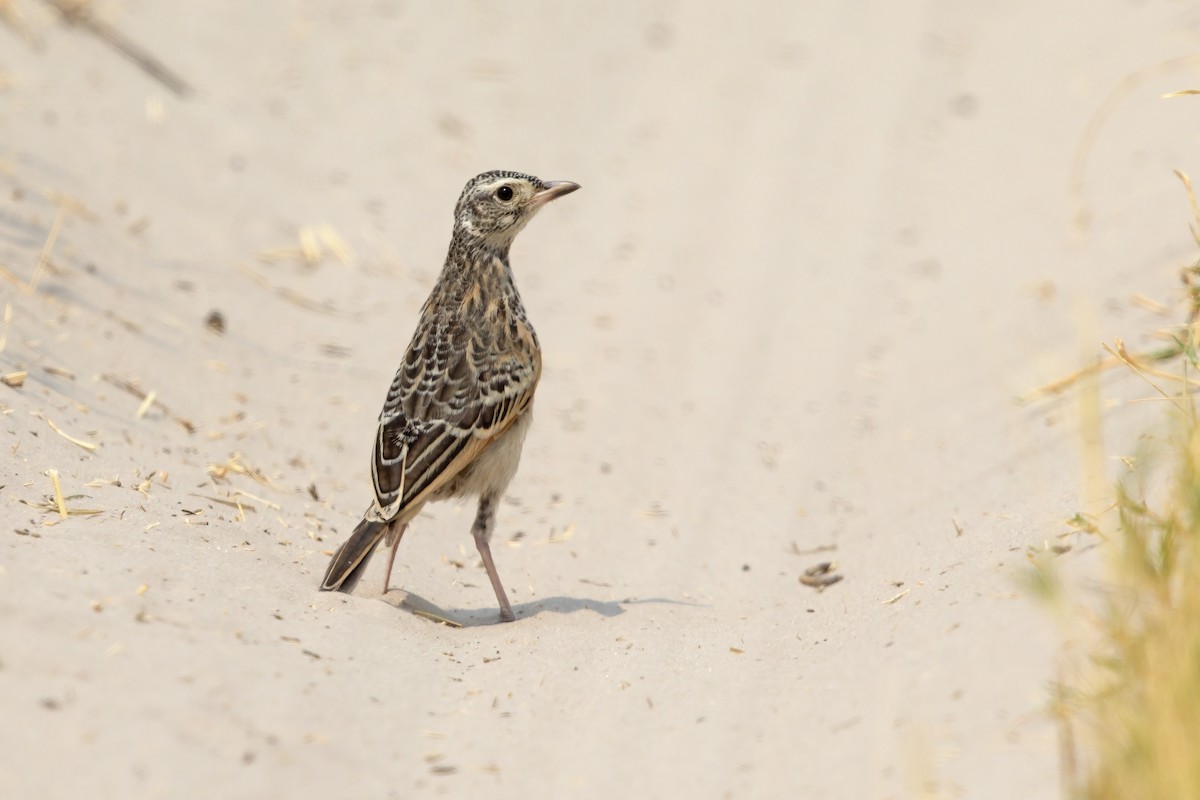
(348, 563)
(454, 393)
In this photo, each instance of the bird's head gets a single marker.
(494, 206)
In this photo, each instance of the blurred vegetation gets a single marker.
(1128, 706)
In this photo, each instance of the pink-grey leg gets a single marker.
(485, 521)
(399, 534)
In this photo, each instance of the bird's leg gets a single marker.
(398, 534)
(485, 520)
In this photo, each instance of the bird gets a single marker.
(460, 404)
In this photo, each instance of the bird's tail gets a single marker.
(350, 560)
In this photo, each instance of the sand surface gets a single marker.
(819, 251)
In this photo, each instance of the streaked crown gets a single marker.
(495, 205)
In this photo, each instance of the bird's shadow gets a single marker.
(476, 617)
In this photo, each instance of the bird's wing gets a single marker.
(452, 396)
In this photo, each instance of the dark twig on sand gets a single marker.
(78, 14)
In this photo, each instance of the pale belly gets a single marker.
(495, 467)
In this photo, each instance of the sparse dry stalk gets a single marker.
(1139, 709)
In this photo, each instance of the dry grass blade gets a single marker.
(52, 506)
(127, 324)
(43, 257)
(225, 501)
(73, 204)
(136, 391)
(1123, 89)
(147, 401)
(59, 372)
(567, 533)
(89, 446)
(8, 312)
(314, 245)
(262, 500)
(1180, 93)
(307, 303)
(13, 18)
(59, 502)
(1060, 385)
(254, 277)
(429, 615)
(286, 292)
(309, 249)
(47, 247)
(272, 256)
(1142, 372)
(1149, 304)
(1191, 195)
(336, 245)
(237, 464)
(821, 548)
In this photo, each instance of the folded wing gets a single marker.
(452, 396)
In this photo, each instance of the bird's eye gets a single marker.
(504, 193)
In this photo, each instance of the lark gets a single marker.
(460, 405)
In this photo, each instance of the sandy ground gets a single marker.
(819, 250)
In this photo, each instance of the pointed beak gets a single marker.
(553, 190)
